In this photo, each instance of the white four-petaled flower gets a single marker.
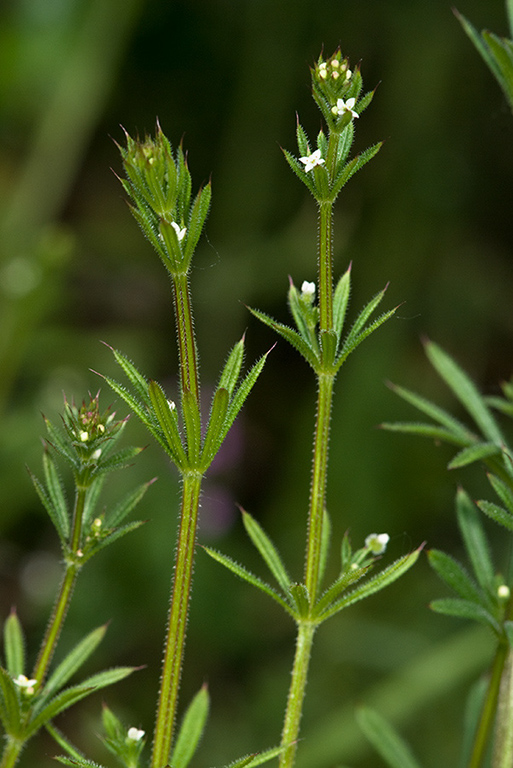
(310, 161)
(26, 684)
(135, 734)
(377, 542)
(345, 106)
(180, 233)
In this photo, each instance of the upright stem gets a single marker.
(177, 623)
(61, 606)
(326, 379)
(485, 725)
(186, 339)
(503, 741)
(11, 752)
(296, 697)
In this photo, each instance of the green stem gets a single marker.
(318, 487)
(503, 741)
(11, 752)
(290, 733)
(487, 719)
(186, 339)
(177, 624)
(61, 606)
(325, 267)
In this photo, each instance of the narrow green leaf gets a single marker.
(14, 645)
(112, 725)
(385, 739)
(168, 421)
(196, 221)
(475, 540)
(504, 62)
(341, 302)
(267, 550)
(73, 661)
(497, 514)
(298, 170)
(231, 371)
(191, 729)
(508, 629)
(47, 503)
(216, 421)
(355, 342)
(242, 393)
(291, 336)
(111, 537)
(64, 742)
(473, 710)
(461, 434)
(141, 411)
(329, 344)
(465, 390)
(301, 599)
(503, 491)
(9, 704)
(477, 452)
(136, 378)
(454, 575)
(246, 575)
(251, 761)
(302, 140)
(480, 45)
(92, 499)
(374, 584)
(364, 315)
(192, 421)
(118, 460)
(300, 312)
(352, 167)
(344, 581)
(439, 434)
(77, 761)
(126, 505)
(344, 144)
(57, 495)
(59, 443)
(465, 609)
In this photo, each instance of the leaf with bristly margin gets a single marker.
(352, 167)
(14, 645)
(10, 713)
(251, 761)
(422, 429)
(73, 661)
(56, 493)
(246, 575)
(477, 452)
(385, 739)
(502, 51)
(216, 421)
(454, 575)
(168, 421)
(465, 390)
(70, 696)
(267, 550)
(301, 599)
(192, 421)
(47, 503)
(375, 584)
(461, 434)
(300, 311)
(115, 516)
(141, 411)
(242, 392)
(134, 376)
(119, 460)
(350, 346)
(341, 301)
(290, 335)
(77, 761)
(231, 371)
(497, 514)
(191, 729)
(64, 742)
(465, 609)
(476, 542)
(344, 581)
(197, 218)
(502, 490)
(302, 140)
(299, 171)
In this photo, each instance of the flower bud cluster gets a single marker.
(88, 428)
(336, 89)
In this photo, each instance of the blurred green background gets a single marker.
(432, 215)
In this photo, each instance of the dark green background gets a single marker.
(431, 214)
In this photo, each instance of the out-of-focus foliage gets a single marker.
(432, 215)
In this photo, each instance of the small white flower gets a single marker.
(84, 437)
(345, 106)
(310, 161)
(25, 683)
(503, 592)
(180, 233)
(335, 75)
(335, 63)
(377, 542)
(322, 70)
(135, 734)
(172, 405)
(308, 290)
(96, 455)
(349, 74)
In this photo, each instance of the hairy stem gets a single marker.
(186, 339)
(11, 752)
(290, 733)
(61, 606)
(503, 743)
(487, 719)
(177, 624)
